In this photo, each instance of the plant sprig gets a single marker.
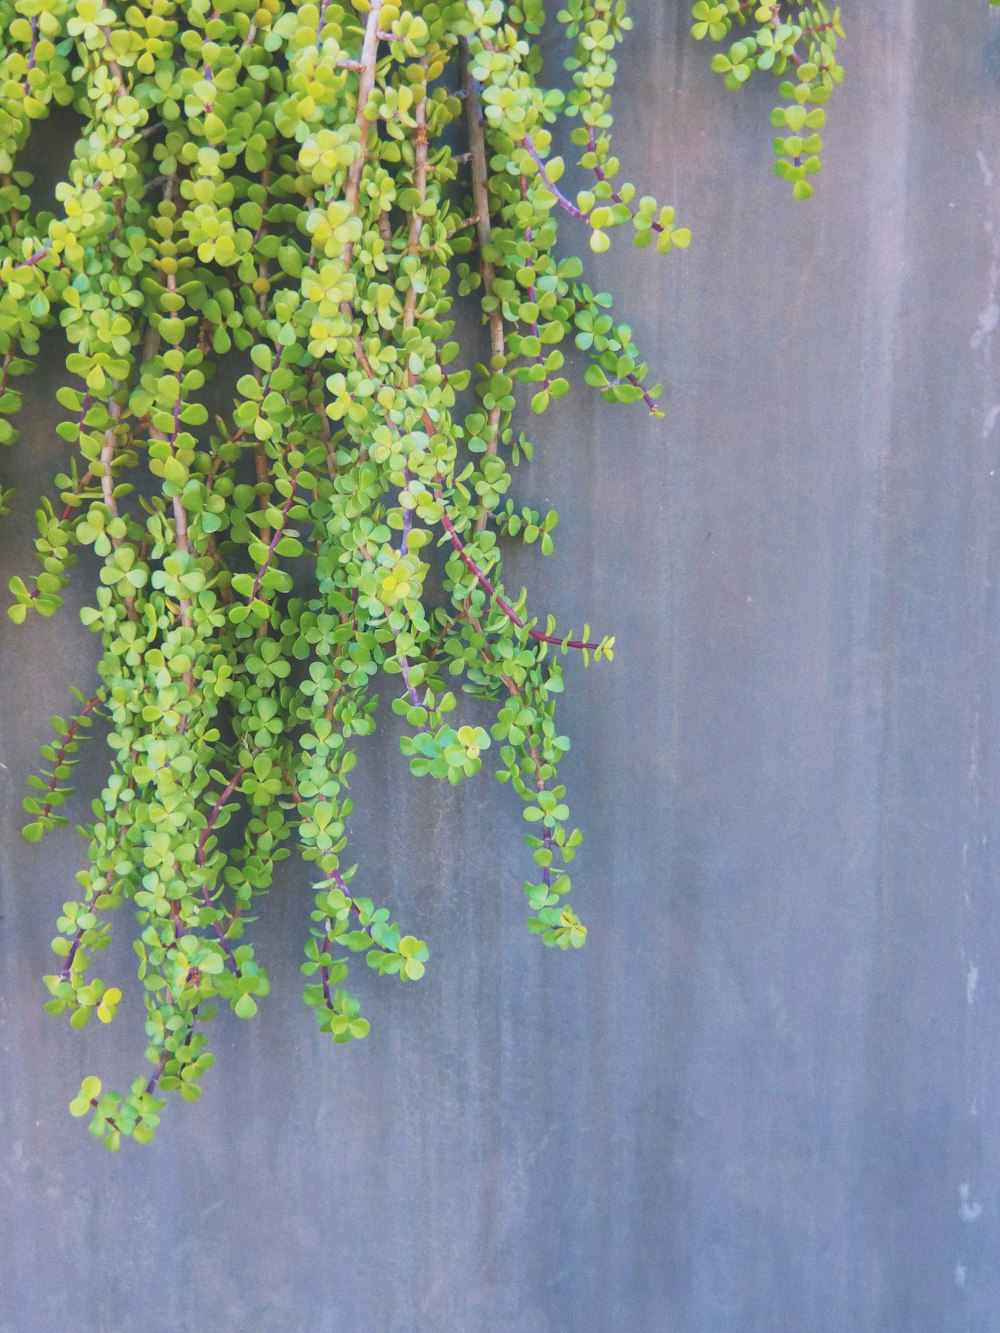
(772, 40)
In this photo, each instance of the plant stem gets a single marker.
(503, 604)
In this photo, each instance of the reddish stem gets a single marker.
(566, 204)
(67, 741)
(227, 791)
(32, 260)
(503, 604)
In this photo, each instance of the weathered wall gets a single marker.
(764, 1097)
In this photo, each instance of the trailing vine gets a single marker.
(771, 40)
(307, 189)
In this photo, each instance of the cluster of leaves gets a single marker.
(295, 184)
(770, 39)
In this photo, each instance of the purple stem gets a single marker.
(32, 260)
(547, 870)
(503, 604)
(227, 948)
(654, 225)
(321, 21)
(64, 749)
(200, 858)
(31, 57)
(550, 185)
(404, 667)
(324, 969)
(67, 966)
(647, 397)
(157, 1073)
(407, 517)
(546, 831)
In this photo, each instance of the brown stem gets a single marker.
(78, 489)
(114, 66)
(484, 234)
(513, 689)
(366, 83)
(5, 367)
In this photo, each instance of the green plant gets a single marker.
(806, 46)
(281, 182)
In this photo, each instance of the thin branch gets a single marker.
(503, 604)
(71, 735)
(108, 488)
(566, 204)
(484, 236)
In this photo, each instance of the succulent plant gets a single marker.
(305, 191)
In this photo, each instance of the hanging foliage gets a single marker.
(804, 48)
(307, 190)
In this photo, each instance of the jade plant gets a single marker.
(784, 39)
(288, 199)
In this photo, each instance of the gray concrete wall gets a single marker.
(765, 1097)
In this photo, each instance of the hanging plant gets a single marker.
(307, 189)
(804, 47)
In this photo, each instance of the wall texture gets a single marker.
(765, 1097)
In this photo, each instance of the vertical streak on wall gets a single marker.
(979, 874)
(886, 33)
